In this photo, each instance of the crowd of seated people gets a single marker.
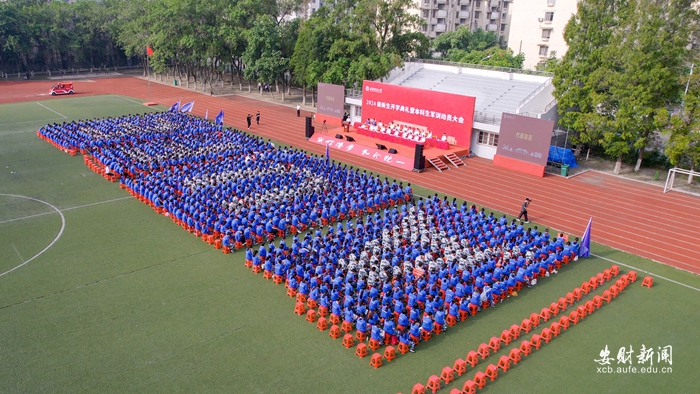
(419, 135)
(403, 274)
(223, 182)
(396, 270)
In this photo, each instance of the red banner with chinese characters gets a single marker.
(381, 156)
(440, 112)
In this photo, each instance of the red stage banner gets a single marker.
(440, 112)
(364, 151)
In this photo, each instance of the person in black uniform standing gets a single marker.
(523, 210)
(249, 119)
(257, 118)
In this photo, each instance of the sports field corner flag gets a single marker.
(187, 107)
(175, 107)
(149, 51)
(585, 249)
(220, 118)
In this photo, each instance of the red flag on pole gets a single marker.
(418, 272)
(149, 51)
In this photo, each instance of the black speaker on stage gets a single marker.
(309, 128)
(380, 146)
(419, 159)
(350, 139)
(393, 151)
(339, 136)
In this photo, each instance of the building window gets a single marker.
(504, 15)
(426, 1)
(486, 138)
(462, 21)
(477, 14)
(441, 21)
(548, 17)
(358, 113)
(546, 34)
(543, 50)
(551, 3)
(503, 27)
(464, 8)
(478, 4)
(426, 14)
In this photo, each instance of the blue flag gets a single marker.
(220, 118)
(175, 107)
(328, 154)
(585, 250)
(187, 107)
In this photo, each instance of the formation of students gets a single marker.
(401, 274)
(395, 268)
(224, 182)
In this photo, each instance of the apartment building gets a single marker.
(447, 15)
(537, 28)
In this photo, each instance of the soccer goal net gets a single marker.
(686, 178)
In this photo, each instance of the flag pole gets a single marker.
(148, 72)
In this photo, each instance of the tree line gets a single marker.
(625, 79)
(622, 83)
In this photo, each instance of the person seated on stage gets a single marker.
(421, 139)
(429, 134)
(444, 137)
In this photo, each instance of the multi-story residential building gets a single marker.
(537, 28)
(447, 15)
(314, 5)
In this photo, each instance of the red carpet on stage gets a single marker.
(355, 148)
(366, 146)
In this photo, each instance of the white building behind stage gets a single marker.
(497, 90)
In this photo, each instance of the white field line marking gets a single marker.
(59, 114)
(63, 210)
(647, 272)
(17, 251)
(30, 121)
(63, 226)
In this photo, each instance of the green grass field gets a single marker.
(125, 301)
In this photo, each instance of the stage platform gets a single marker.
(365, 146)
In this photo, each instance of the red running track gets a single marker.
(631, 216)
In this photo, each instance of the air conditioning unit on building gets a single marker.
(541, 19)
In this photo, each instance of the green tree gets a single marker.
(621, 71)
(647, 58)
(683, 147)
(464, 40)
(549, 64)
(263, 55)
(578, 77)
(493, 56)
(348, 41)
